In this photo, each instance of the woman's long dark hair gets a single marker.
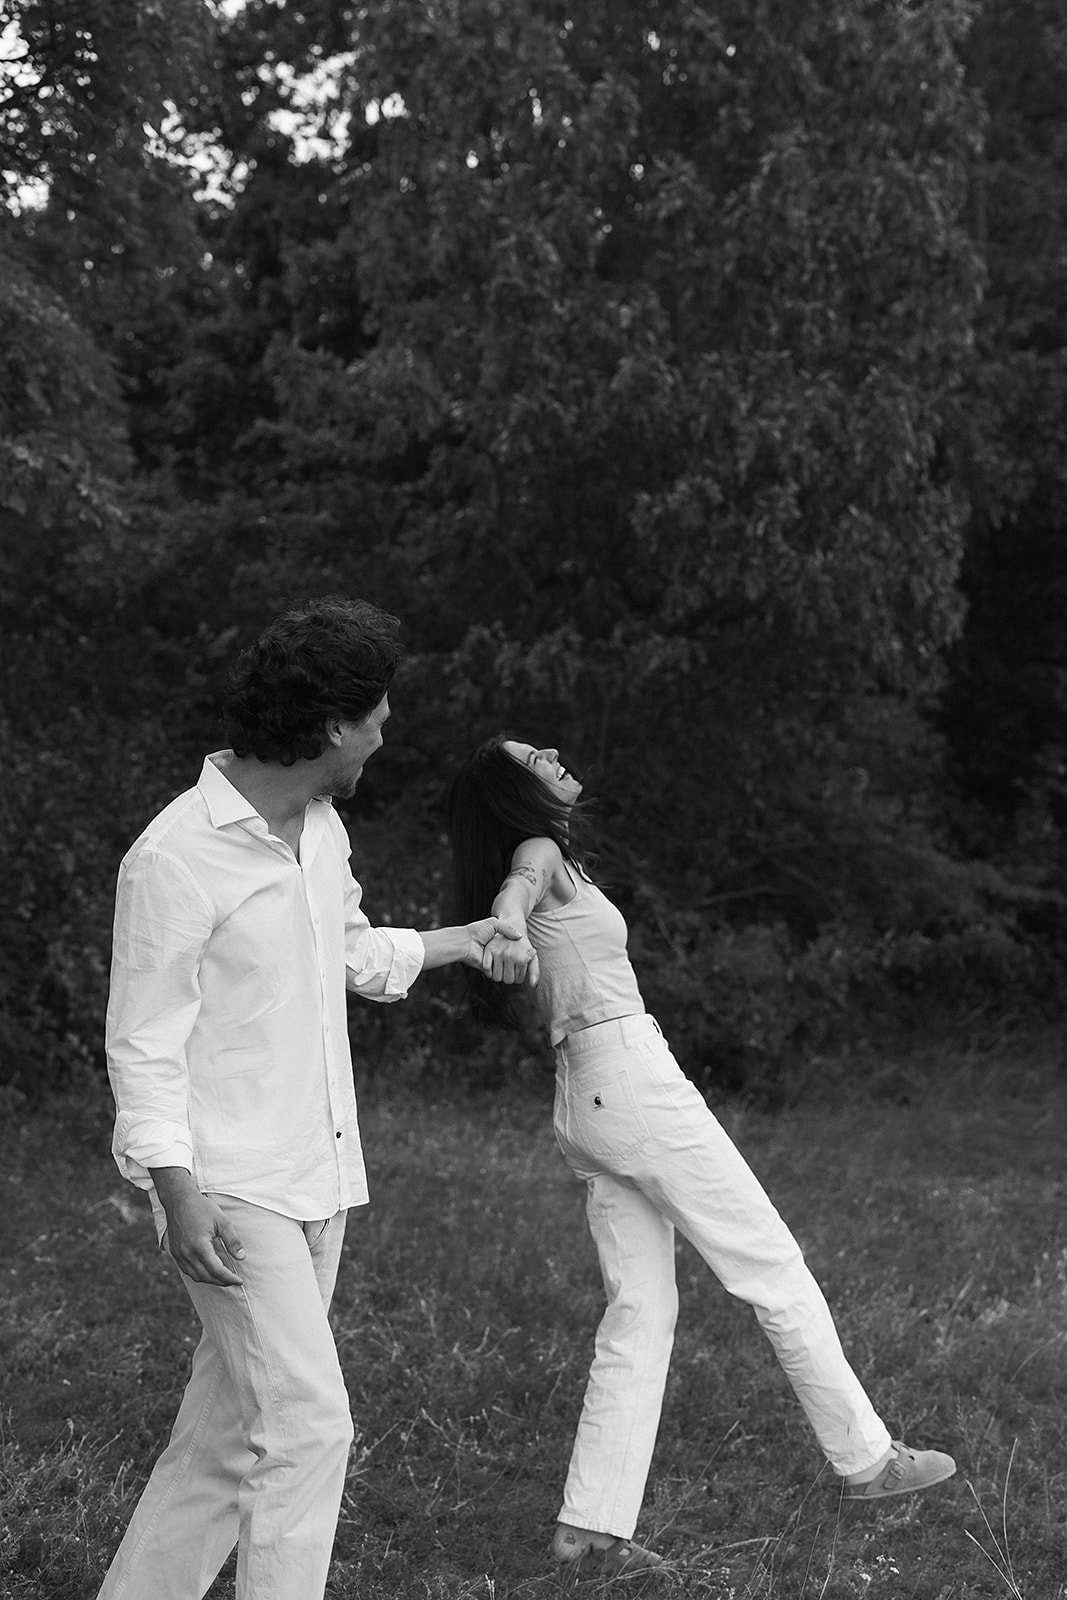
(495, 804)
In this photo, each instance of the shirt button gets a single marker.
(338, 1135)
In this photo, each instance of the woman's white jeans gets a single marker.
(654, 1158)
(258, 1452)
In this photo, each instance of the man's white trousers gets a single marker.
(258, 1452)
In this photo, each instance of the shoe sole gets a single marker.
(915, 1488)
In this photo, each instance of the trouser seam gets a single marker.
(176, 1476)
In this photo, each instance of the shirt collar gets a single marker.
(224, 802)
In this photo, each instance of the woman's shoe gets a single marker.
(580, 1557)
(906, 1472)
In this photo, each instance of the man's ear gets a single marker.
(335, 730)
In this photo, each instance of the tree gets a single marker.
(635, 381)
(62, 443)
(1006, 706)
(630, 354)
(670, 315)
(85, 98)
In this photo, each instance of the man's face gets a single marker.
(358, 742)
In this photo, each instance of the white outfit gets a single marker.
(654, 1158)
(258, 1451)
(228, 1055)
(227, 1036)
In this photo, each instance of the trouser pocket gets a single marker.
(602, 1116)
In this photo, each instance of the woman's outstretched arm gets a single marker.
(535, 867)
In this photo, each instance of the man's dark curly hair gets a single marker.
(322, 658)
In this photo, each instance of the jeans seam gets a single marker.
(179, 1470)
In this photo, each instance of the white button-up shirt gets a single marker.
(227, 1038)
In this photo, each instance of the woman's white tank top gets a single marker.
(586, 976)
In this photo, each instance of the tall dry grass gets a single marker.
(932, 1212)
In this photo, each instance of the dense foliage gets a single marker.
(691, 378)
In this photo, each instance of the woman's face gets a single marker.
(546, 764)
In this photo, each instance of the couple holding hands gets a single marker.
(238, 929)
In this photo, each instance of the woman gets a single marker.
(653, 1157)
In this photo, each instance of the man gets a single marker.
(237, 927)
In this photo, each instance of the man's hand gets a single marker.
(502, 952)
(199, 1235)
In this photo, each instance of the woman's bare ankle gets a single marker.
(568, 1542)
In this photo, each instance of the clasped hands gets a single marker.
(502, 952)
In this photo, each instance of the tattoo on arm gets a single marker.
(531, 874)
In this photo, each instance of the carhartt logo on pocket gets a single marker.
(597, 1100)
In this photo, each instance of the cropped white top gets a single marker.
(586, 976)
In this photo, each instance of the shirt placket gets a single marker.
(329, 1043)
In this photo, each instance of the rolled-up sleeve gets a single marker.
(380, 963)
(162, 923)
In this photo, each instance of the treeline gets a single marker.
(690, 378)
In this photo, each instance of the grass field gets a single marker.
(465, 1314)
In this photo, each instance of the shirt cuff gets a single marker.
(410, 955)
(392, 959)
(140, 1143)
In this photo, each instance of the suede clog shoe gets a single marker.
(906, 1473)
